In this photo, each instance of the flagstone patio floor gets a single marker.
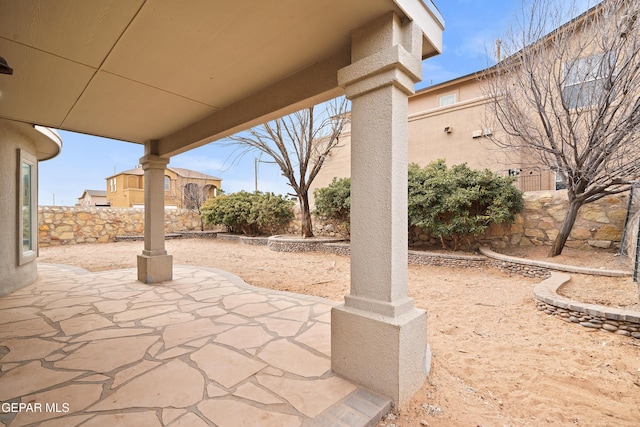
(206, 349)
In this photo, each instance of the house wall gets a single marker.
(428, 140)
(89, 200)
(12, 275)
(175, 195)
(125, 195)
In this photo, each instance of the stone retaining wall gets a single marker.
(598, 225)
(320, 228)
(66, 225)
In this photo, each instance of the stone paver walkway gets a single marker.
(102, 349)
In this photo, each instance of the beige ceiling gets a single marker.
(180, 72)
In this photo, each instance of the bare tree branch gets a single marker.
(568, 97)
(298, 144)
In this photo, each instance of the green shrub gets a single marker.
(248, 213)
(333, 203)
(459, 202)
(456, 203)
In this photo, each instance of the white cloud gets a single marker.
(478, 45)
(435, 73)
(197, 163)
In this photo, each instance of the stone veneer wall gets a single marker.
(599, 224)
(65, 225)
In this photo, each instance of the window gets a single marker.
(448, 99)
(584, 80)
(112, 185)
(167, 183)
(27, 208)
(560, 180)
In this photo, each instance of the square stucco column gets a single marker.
(154, 265)
(378, 337)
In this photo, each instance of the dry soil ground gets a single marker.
(498, 361)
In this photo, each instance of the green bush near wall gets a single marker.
(459, 202)
(333, 203)
(453, 204)
(249, 213)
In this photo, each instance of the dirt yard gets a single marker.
(498, 361)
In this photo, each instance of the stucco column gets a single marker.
(154, 265)
(379, 339)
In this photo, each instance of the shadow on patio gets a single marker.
(94, 349)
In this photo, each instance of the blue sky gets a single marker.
(472, 26)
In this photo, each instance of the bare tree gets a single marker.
(570, 98)
(190, 193)
(299, 144)
(193, 197)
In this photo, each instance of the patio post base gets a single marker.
(388, 355)
(155, 268)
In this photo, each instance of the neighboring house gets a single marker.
(445, 122)
(93, 198)
(183, 188)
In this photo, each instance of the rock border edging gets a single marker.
(485, 250)
(593, 316)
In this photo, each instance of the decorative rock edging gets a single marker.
(199, 234)
(541, 268)
(337, 248)
(170, 236)
(225, 236)
(251, 240)
(138, 237)
(592, 316)
(447, 260)
(281, 243)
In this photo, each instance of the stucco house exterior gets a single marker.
(450, 120)
(22, 147)
(93, 198)
(172, 78)
(445, 121)
(182, 188)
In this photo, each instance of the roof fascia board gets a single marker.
(429, 19)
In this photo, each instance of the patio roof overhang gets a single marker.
(182, 74)
(174, 75)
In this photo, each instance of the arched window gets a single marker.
(167, 183)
